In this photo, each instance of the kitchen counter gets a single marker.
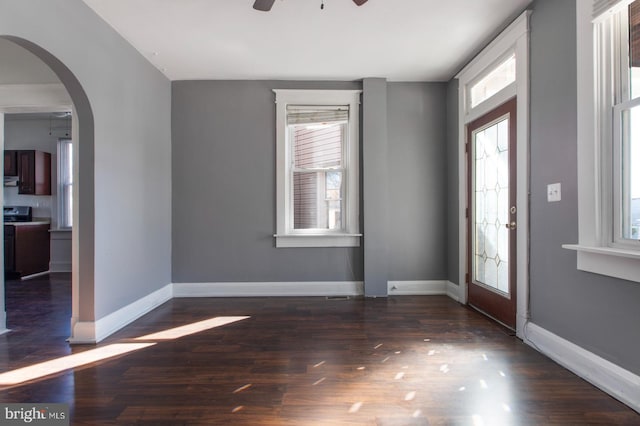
(32, 223)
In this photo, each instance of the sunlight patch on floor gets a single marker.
(185, 330)
(57, 365)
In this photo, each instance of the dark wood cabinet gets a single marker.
(11, 163)
(33, 171)
(26, 249)
(9, 250)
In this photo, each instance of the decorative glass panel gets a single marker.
(491, 201)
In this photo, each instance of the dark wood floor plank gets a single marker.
(299, 361)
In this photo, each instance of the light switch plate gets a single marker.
(554, 192)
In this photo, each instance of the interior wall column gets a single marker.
(375, 187)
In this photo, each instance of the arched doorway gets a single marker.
(83, 195)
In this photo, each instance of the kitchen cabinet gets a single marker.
(26, 248)
(34, 172)
(9, 246)
(11, 163)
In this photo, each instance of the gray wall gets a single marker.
(224, 189)
(598, 313)
(224, 186)
(125, 165)
(453, 231)
(375, 186)
(417, 236)
(19, 66)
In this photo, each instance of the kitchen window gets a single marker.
(317, 168)
(609, 138)
(65, 183)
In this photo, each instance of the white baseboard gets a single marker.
(94, 332)
(416, 288)
(36, 275)
(257, 289)
(614, 380)
(453, 291)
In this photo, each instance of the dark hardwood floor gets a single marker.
(299, 361)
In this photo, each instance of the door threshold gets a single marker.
(511, 330)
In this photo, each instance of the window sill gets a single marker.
(317, 240)
(613, 262)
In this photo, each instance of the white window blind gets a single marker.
(600, 7)
(297, 114)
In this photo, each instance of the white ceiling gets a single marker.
(402, 40)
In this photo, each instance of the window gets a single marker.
(497, 79)
(65, 183)
(317, 168)
(609, 137)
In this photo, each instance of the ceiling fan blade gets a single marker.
(359, 2)
(265, 5)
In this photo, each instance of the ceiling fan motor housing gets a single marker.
(266, 5)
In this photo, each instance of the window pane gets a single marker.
(65, 182)
(67, 214)
(317, 146)
(317, 200)
(631, 175)
(502, 76)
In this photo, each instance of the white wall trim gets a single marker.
(514, 38)
(612, 379)
(423, 288)
(34, 97)
(327, 240)
(258, 289)
(94, 332)
(453, 291)
(416, 288)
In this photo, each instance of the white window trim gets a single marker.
(595, 189)
(285, 237)
(515, 38)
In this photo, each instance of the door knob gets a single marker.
(511, 225)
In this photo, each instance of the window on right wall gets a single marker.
(625, 31)
(608, 47)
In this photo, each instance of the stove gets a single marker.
(17, 214)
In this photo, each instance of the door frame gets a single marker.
(487, 300)
(514, 39)
(36, 98)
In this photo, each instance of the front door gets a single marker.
(491, 146)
